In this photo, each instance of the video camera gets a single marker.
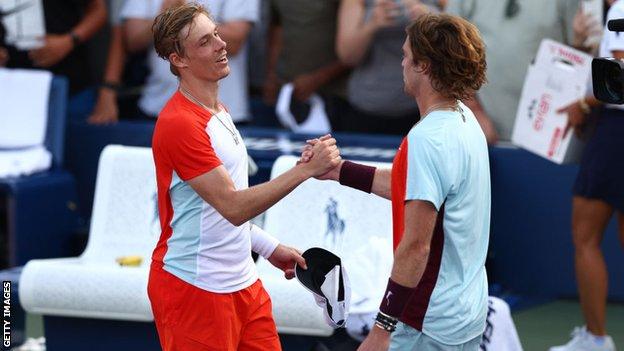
(608, 73)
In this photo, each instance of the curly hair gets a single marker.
(453, 51)
(168, 26)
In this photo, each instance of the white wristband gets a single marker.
(262, 242)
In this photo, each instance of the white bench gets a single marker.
(355, 225)
(124, 223)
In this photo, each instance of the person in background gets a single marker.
(302, 51)
(512, 31)
(598, 196)
(235, 18)
(369, 38)
(106, 110)
(69, 26)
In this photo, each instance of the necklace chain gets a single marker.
(231, 129)
(445, 106)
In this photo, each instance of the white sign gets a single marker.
(558, 77)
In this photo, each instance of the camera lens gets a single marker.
(612, 82)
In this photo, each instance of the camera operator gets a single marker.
(598, 194)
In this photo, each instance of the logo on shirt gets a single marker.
(388, 297)
(334, 234)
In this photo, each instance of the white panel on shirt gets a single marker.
(161, 83)
(224, 262)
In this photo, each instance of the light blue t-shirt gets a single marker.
(445, 160)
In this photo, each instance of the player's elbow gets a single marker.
(233, 214)
(236, 220)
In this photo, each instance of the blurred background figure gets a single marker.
(369, 38)
(235, 18)
(69, 26)
(106, 110)
(512, 31)
(598, 195)
(301, 50)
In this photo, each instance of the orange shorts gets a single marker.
(192, 319)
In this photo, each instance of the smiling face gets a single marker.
(204, 54)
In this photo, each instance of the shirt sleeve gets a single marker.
(262, 242)
(236, 10)
(189, 149)
(427, 174)
(140, 9)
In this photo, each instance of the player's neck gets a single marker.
(206, 92)
(430, 100)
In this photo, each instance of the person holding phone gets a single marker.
(369, 38)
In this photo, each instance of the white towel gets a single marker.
(24, 96)
(15, 163)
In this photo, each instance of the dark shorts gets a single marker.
(601, 174)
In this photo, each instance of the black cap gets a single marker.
(327, 280)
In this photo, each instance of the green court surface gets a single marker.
(550, 324)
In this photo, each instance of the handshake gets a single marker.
(321, 159)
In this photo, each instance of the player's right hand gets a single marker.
(325, 156)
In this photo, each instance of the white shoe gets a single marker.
(582, 340)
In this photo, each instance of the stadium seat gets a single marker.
(354, 225)
(48, 197)
(124, 223)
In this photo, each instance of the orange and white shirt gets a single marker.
(197, 244)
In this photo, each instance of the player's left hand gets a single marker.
(56, 48)
(285, 257)
(377, 340)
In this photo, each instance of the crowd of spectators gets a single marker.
(346, 51)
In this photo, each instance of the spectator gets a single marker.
(106, 110)
(370, 35)
(598, 194)
(235, 18)
(302, 51)
(512, 31)
(69, 25)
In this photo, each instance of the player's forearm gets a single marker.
(412, 254)
(409, 264)
(249, 203)
(381, 183)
